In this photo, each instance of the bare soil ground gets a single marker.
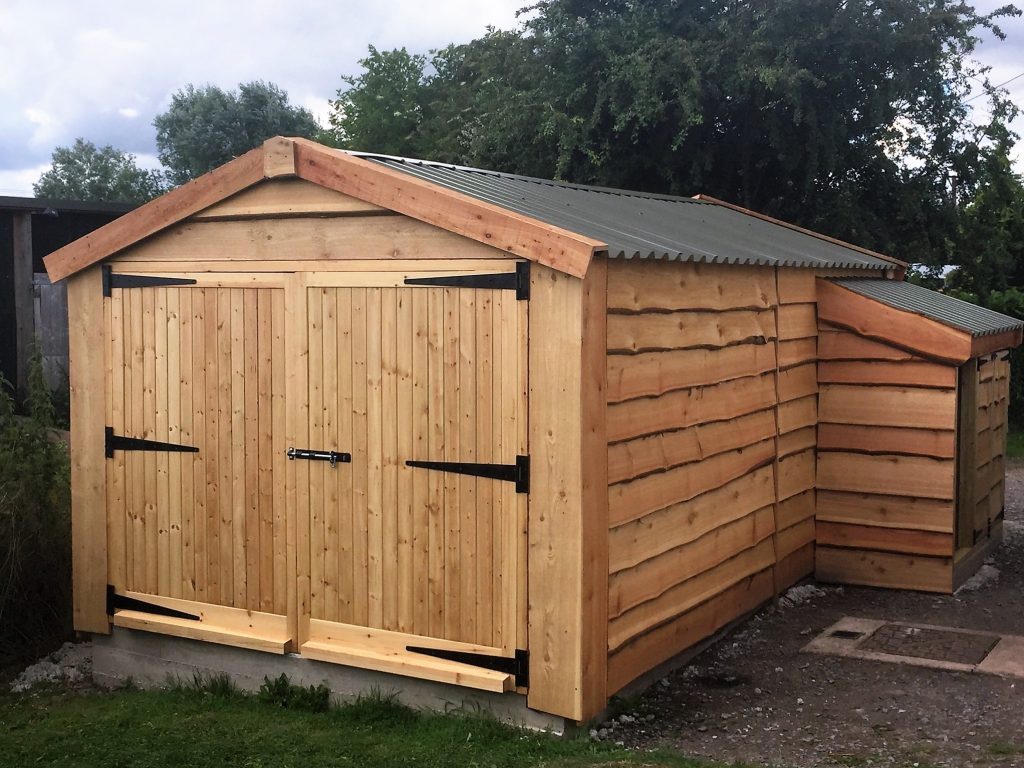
(754, 697)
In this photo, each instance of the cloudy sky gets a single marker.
(102, 71)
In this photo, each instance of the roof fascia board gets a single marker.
(522, 236)
(996, 342)
(899, 266)
(267, 161)
(876, 320)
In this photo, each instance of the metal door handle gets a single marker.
(332, 456)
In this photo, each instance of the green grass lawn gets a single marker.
(222, 729)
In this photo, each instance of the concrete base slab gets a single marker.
(150, 660)
(846, 637)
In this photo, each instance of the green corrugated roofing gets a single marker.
(947, 310)
(637, 225)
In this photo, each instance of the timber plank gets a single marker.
(652, 578)
(796, 351)
(639, 286)
(885, 510)
(885, 539)
(659, 331)
(664, 642)
(798, 381)
(797, 321)
(634, 542)
(838, 344)
(633, 458)
(939, 444)
(796, 474)
(888, 406)
(683, 597)
(914, 476)
(878, 321)
(684, 408)
(285, 197)
(453, 211)
(650, 374)
(905, 373)
(795, 509)
(635, 498)
(88, 475)
(884, 569)
(568, 538)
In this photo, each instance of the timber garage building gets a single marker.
(484, 437)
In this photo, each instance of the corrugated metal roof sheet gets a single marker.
(637, 225)
(975, 320)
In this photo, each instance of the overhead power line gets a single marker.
(994, 87)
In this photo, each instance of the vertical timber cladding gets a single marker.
(403, 555)
(887, 443)
(980, 507)
(198, 525)
(712, 408)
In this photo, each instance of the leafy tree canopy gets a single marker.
(206, 127)
(847, 117)
(84, 171)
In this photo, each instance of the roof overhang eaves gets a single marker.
(488, 223)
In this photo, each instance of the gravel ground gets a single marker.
(754, 697)
(70, 666)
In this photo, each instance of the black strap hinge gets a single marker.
(113, 280)
(114, 442)
(518, 473)
(518, 281)
(518, 666)
(116, 602)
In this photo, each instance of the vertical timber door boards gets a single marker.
(194, 448)
(411, 541)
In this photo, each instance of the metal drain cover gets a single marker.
(923, 643)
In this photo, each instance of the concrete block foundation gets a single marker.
(150, 660)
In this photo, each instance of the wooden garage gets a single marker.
(516, 435)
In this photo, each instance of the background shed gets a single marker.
(558, 434)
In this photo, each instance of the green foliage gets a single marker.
(206, 127)
(174, 728)
(845, 117)
(35, 526)
(84, 171)
(380, 110)
(280, 692)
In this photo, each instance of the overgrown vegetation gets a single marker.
(207, 724)
(35, 525)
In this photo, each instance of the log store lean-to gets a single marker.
(505, 433)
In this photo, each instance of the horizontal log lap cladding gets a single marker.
(712, 405)
(886, 467)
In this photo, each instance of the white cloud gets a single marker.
(102, 72)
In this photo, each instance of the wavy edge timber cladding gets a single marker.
(712, 406)
(886, 466)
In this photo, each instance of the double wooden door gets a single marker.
(397, 521)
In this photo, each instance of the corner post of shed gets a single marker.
(568, 518)
(88, 368)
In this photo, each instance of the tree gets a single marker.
(206, 127)
(380, 110)
(84, 171)
(847, 117)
